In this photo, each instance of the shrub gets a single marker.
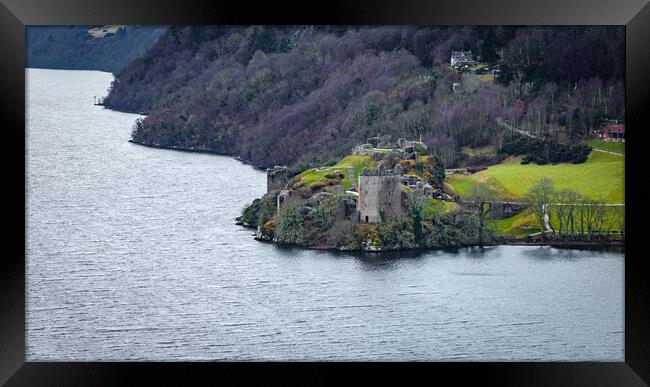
(406, 165)
(260, 210)
(324, 212)
(435, 170)
(396, 235)
(289, 224)
(546, 151)
(268, 230)
(332, 176)
(366, 236)
(454, 229)
(419, 166)
(298, 169)
(317, 186)
(341, 234)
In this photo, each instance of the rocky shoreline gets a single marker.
(595, 244)
(199, 150)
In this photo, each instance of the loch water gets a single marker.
(132, 254)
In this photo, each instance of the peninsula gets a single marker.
(397, 195)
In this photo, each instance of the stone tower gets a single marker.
(276, 178)
(379, 195)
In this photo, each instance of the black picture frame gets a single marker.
(16, 14)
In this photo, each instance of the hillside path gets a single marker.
(351, 177)
(610, 152)
(513, 129)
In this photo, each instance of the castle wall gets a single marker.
(499, 209)
(276, 178)
(379, 193)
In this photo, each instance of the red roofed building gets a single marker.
(613, 132)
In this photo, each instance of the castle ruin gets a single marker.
(276, 178)
(379, 195)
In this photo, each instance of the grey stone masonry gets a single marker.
(283, 196)
(276, 178)
(379, 195)
(374, 141)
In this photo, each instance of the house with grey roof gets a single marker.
(461, 58)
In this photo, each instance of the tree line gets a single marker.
(574, 215)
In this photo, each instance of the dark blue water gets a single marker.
(133, 255)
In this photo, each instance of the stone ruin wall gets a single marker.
(498, 209)
(276, 178)
(379, 193)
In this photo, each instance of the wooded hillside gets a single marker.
(73, 47)
(285, 95)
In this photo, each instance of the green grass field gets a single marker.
(525, 223)
(600, 178)
(618, 147)
(435, 207)
(315, 175)
(519, 226)
(356, 161)
(311, 176)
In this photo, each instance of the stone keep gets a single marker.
(379, 191)
(276, 178)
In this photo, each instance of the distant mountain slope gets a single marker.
(304, 94)
(105, 48)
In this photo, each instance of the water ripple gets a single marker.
(132, 254)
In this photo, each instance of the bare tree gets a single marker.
(595, 216)
(539, 196)
(481, 194)
(560, 212)
(565, 208)
(604, 216)
(621, 222)
(572, 200)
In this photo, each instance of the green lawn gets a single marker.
(525, 223)
(519, 226)
(461, 185)
(601, 178)
(314, 175)
(356, 161)
(608, 146)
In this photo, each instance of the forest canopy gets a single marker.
(304, 94)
